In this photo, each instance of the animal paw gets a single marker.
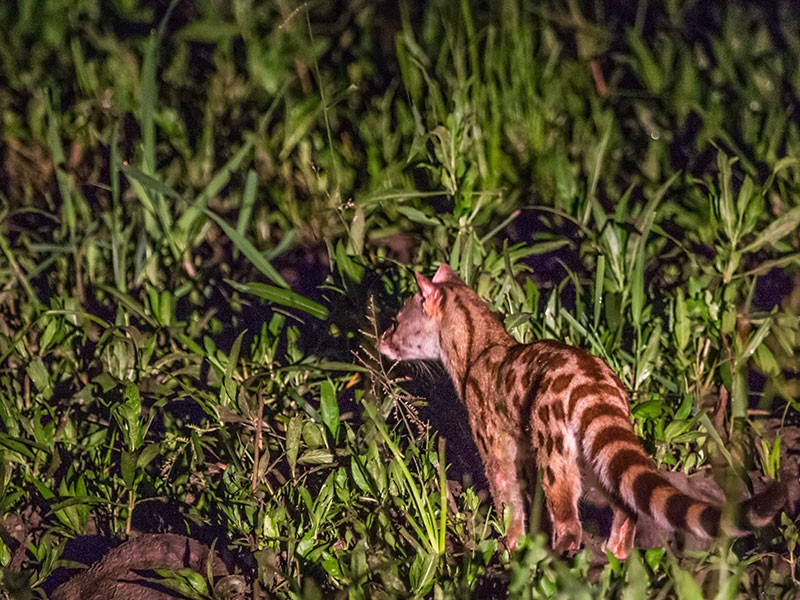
(620, 551)
(567, 538)
(622, 535)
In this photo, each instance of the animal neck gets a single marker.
(468, 329)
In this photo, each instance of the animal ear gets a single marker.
(445, 273)
(431, 294)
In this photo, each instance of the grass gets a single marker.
(208, 211)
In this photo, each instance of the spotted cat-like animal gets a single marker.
(555, 407)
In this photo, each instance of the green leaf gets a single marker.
(417, 216)
(682, 324)
(653, 558)
(648, 410)
(358, 473)
(313, 435)
(637, 286)
(768, 265)
(637, 579)
(646, 363)
(745, 196)
(250, 252)
(21, 447)
(149, 91)
(147, 455)
(217, 183)
(548, 246)
(357, 231)
(62, 177)
(40, 377)
(20, 277)
(148, 181)
(229, 383)
(319, 456)
(329, 408)
(423, 571)
(599, 283)
(186, 582)
(776, 231)
(516, 319)
(281, 296)
(766, 361)
(358, 561)
(429, 537)
(724, 202)
(783, 163)
(128, 304)
(675, 429)
(647, 68)
(76, 501)
(348, 268)
(332, 567)
(686, 587)
(209, 31)
(43, 488)
(294, 429)
(685, 408)
(721, 446)
(376, 467)
(246, 209)
(756, 339)
(127, 466)
(128, 414)
(149, 95)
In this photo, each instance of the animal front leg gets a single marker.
(505, 485)
(507, 495)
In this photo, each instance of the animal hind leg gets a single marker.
(623, 532)
(561, 482)
(623, 525)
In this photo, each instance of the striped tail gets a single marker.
(617, 458)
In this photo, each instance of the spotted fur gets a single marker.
(556, 406)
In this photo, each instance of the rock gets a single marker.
(123, 573)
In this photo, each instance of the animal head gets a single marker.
(416, 332)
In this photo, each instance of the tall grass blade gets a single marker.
(57, 150)
(147, 181)
(250, 252)
(442, 497)
(148, 108)
(17, 271)
(219, 181)
(599, 158)
(149, 92)
(282, 296)
(599, 282)
(787, 223)
(119, 247)
(246, 209)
